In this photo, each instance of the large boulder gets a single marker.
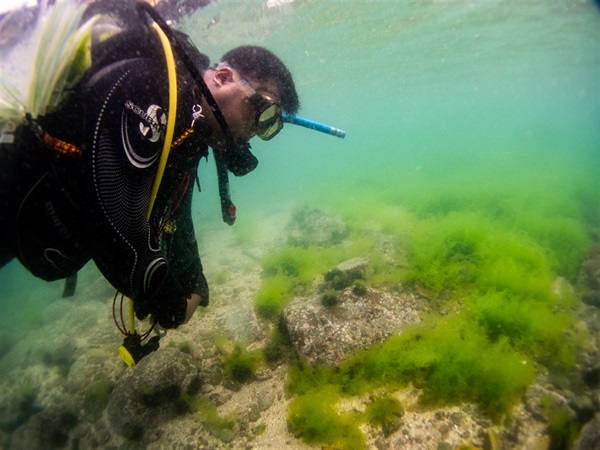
(328, 334)
(346, 273)
(152, 392)
(17, 407)
(310, 226)
(48, 429)
(589, 277)
(589, 438)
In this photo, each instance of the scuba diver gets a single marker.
(109, 175)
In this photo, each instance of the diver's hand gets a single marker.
(192, 303)
(176, 312)
(172, 313)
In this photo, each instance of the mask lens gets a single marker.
(268, 115)
(269, 122)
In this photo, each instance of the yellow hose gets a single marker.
(168, 139)
(171, 116)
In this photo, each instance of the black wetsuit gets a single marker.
(59, 211)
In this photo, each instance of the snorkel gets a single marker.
(311, 124)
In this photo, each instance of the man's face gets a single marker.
(235, 105)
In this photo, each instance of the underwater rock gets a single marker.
(59, 352)
(355, 267)
(48, 429)
(7, 341)
(310, 226)
(327, 335)
(17, 408)
(589, 277)
(152, 392)
(347, 272)
(589, 438)
(89, 366)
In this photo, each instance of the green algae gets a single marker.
(314, 418)
(502, 258)
(241, 365)
(385, 412)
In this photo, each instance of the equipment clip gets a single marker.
(196, 114)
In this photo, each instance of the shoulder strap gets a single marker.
(227, 207)
(170, 118)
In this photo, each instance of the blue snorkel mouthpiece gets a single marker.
(287, 118)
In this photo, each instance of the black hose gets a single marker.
(194, 72)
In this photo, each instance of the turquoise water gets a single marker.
(477, 119)
(423, 88)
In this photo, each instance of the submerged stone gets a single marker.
(310, 226)
(151, 393)
(327, 335)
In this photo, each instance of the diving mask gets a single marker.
(268, 118)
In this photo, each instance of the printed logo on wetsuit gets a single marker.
(154, 120)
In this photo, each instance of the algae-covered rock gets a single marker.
(17, 408)
(310, 226)
(589, 438)
(347, 272)
(589, 277)
(327, 334)
(151, 393)
(48, 429)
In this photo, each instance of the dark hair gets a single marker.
(260, 64)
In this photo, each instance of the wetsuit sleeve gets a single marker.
(127, 116)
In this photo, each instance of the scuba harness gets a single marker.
(242, 162)
(132, 350)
